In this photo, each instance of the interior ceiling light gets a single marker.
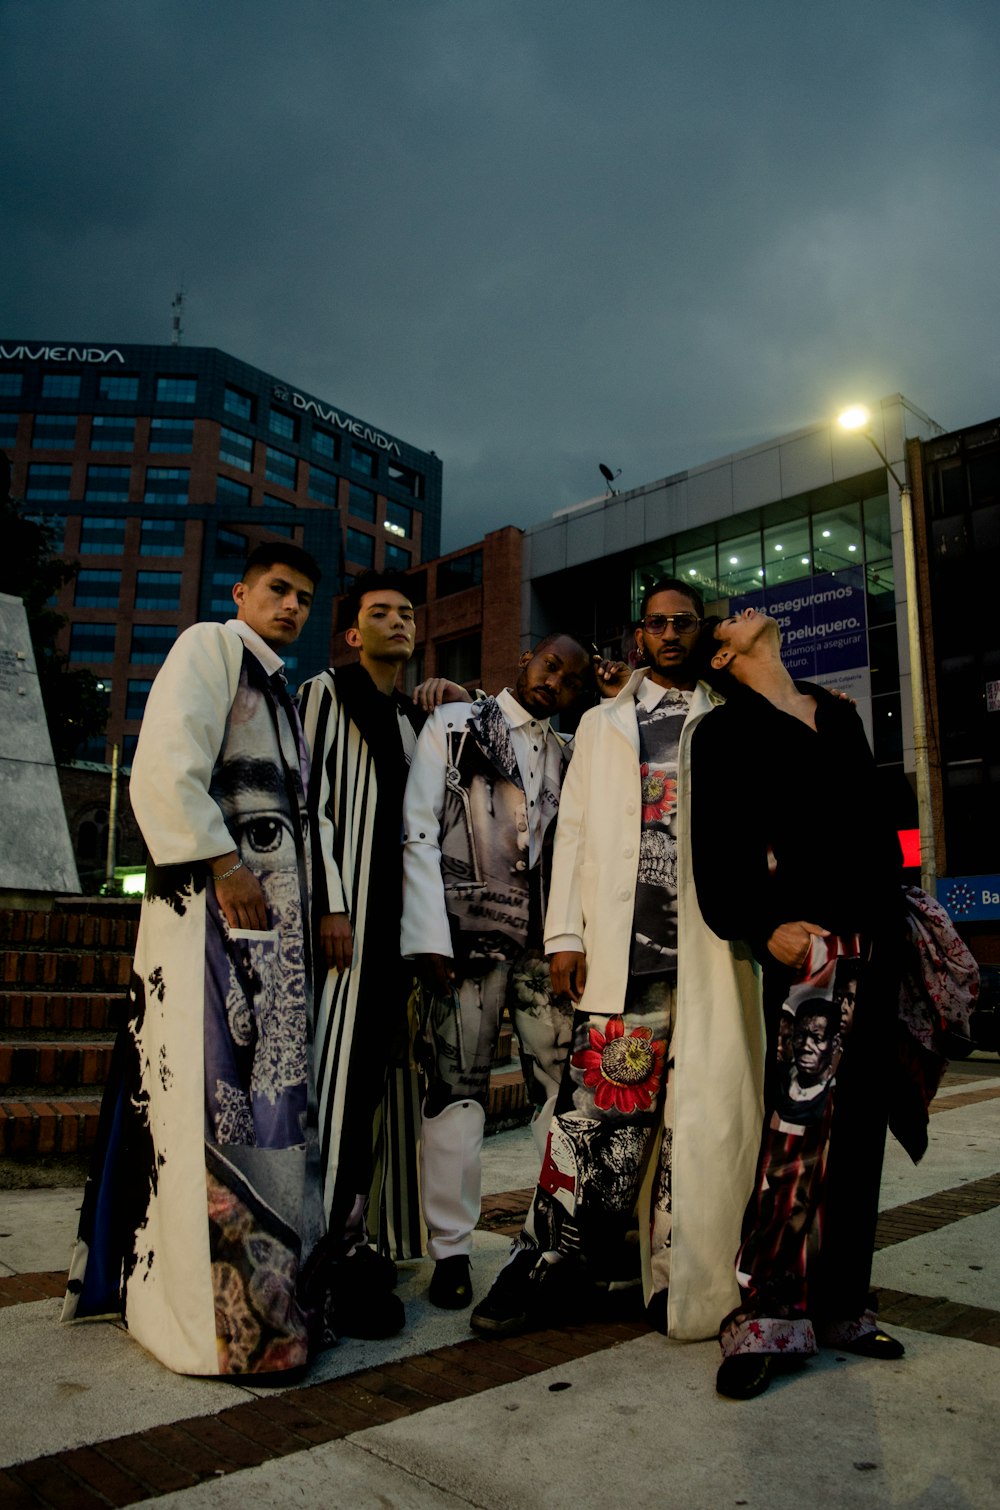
(826, 534)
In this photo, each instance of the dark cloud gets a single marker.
(531, 234)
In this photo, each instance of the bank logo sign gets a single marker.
(970, 899)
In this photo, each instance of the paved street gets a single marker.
(604, 1413)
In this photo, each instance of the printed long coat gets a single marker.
(717, 1043)
(203, 1203)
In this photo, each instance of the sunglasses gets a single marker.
(684, 623)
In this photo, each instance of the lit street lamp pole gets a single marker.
(858, 418)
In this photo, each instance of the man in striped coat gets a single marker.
(361, 732)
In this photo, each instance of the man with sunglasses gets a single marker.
(659, 1105)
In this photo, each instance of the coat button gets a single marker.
(628, 853)
(630, 807)
(624, 894)
(521, 865)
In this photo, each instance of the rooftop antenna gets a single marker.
(609, 478)
(177, 307)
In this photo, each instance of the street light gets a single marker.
(858, 418)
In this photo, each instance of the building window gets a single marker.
(324, 444)
(135, 698)
(61, 385)
(162, 537)
(54, 432)
(323, 486)
(107, 485)
(47, 482)
(361, 503)
(398, 518)
(230, 544)
(360, 548)
(221, 603)
(176, 435)
(121, 390)
(166, 485)
(176, 390)
(102, 536)
(10, 384)
(283, 424)
(112, 432)
(458, 574)
(236, 402)
(98, 589)
(92, 642)
(271, 502)
(229, 491)
(158, 590)
(363, 461)
(397, 558)
(404, 478)
(236, 449)
(459, 659)
(279, 467)
(8, 429)
(151, 643)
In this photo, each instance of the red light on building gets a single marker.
(909, 843)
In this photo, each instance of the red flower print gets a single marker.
(623, 1070)
(659, 794)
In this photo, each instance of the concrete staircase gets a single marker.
(63, 977)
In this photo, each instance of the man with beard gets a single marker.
(204, 1200)
(666, 1032)
(480, 803)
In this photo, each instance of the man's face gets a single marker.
(275, 602)
(553, 678)
(737, 633)
(385, 629)
(667, 653)
(812, 1044)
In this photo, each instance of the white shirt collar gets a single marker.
(269, 659)
(517, 716)
(651, 694)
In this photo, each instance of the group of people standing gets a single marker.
(712, 825)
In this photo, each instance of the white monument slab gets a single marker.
(35, 849)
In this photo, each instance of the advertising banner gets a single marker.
(824, 631)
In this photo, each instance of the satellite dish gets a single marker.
(606, 472)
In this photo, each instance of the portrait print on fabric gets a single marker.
(814, 1024)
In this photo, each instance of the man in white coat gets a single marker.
(204, 1206)
(662, 1087)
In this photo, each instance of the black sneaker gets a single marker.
(510, 1307)
(530, 1294)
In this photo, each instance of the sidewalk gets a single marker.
(609, 1414)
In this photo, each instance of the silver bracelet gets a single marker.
(224, 874)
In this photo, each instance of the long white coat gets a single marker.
(718, 1035)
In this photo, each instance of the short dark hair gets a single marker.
(673, 584)
(702, 655)
(819, 1006)
(371, 581)
(282, 553)
(590, 681)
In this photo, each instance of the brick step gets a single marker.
(38, 1127)
(72, 930)
(64, 968)
(54, 1064)
(60, 1011)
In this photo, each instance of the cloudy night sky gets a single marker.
(531, 235)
